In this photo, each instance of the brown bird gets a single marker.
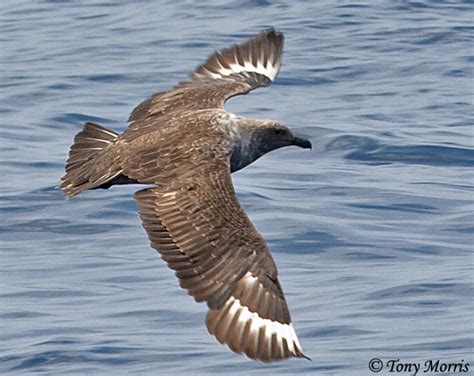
(186, 145)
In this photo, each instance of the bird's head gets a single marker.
(256, 138)
(271, 135)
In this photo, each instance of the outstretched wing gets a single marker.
(201, 231)
(233, 71)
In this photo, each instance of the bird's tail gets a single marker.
(85, 168)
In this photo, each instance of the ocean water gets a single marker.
(372, 230)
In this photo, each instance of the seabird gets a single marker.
(186, 145)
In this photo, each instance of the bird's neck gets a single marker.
(243, 147)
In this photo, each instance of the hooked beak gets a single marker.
(302, 143)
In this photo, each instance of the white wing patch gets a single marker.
(282, 330)
(246, 331)
(285, 331)
(270, 71)
(261, 55)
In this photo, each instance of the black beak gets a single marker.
(302, 143)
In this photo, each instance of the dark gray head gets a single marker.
(272, 135)
(258, 137)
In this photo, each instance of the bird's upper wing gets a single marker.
(202, 232)
(233, 71)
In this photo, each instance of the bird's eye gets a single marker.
(278, 131)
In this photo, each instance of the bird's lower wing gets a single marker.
(201, 231)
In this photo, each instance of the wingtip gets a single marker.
(272, 30)
(60, 188)
(274, 34)
(306, 357)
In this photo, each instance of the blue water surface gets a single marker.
(372, 230)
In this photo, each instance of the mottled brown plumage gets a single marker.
(186, 145)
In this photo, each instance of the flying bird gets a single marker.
(185, 145)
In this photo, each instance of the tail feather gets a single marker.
(85, 169)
